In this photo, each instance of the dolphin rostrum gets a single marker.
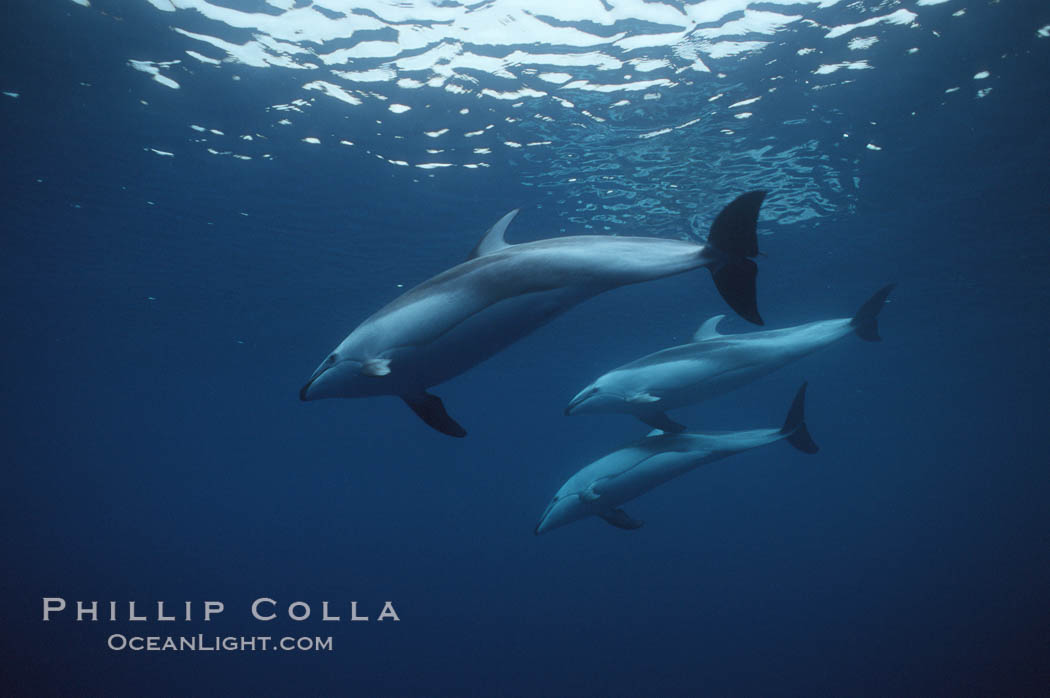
(503, 292)
(714, 364)
(602, 487)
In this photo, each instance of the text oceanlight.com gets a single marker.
(216, 643)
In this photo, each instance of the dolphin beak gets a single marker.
(581, 397)
(304, 392)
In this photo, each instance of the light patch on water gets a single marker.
(12, 95)
(482, 151)
(849, 65)
(512, 144)
(624, 87)
(901, 17)
(726, 49)
(259, 53)
(202, 58)
(153, 68)
(950, 90)
(433, 165)
(399, 108)
(983, 75)
(872, 146)
(556, 78)
(744, 103)
(744, 115)
(435, 134)
(376, 75)
(805, 51)
(861, 43)
(165, 153)
(83, 3)
(333, 90)
(516, 94)
(1043, 32)
(648, 65)
(981, 94)
(922, 3)
(654, 134)
(312, 140)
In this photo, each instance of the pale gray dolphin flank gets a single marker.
(714, 364)
(462, 316)
(602, 487)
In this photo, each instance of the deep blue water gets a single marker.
(161, 313)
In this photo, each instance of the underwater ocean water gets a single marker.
(203, 197)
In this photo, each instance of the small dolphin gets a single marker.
(503, 292)
(602, 487)
(714, 364)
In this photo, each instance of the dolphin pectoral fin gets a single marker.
(620, 519)
(660, 420)
(734, 237)
(376, 367)
(709, 330)
(431, 410)
(590, 494)
(493, 240)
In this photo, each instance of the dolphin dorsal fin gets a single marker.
(493, 240)
(709, 330)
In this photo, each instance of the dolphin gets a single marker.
(464, 315)
(602, 487)
(714, 364)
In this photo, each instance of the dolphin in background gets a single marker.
(714, 364)
(464, 315)
(602, 487)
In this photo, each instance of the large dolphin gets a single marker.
(602, 487)
(462, 316)
(714, 364)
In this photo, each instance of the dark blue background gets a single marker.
(155, 449)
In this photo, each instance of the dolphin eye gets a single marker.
(330, 360)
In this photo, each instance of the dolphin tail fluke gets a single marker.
(794, 429)
(431, 410)
(866, 322)
(734, 235)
